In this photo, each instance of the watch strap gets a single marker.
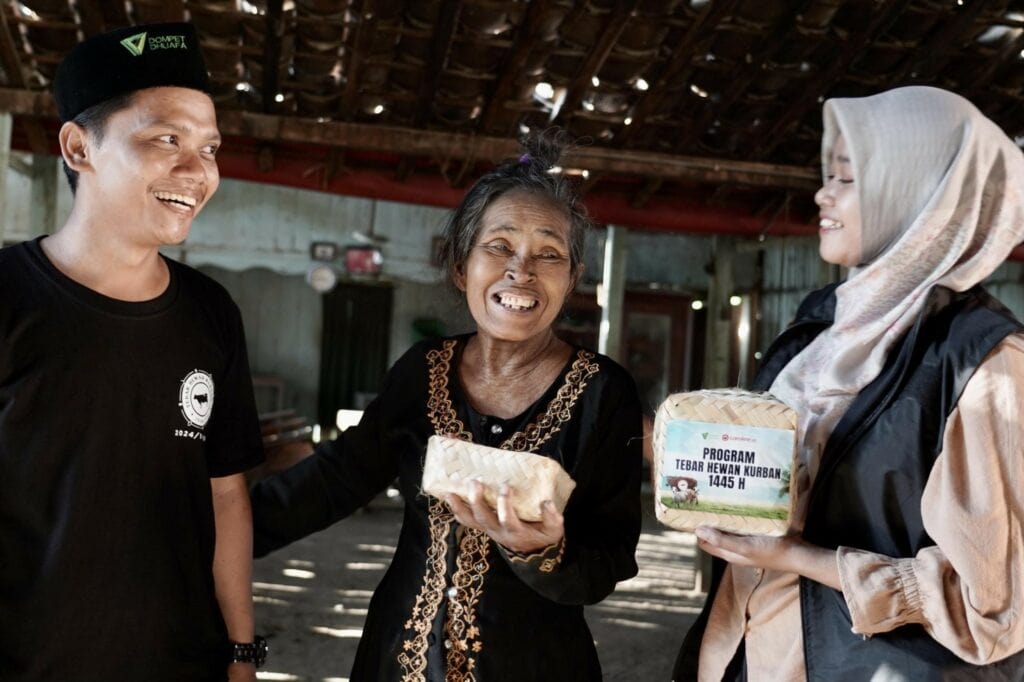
(254, 652)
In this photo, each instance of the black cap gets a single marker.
(126, 60)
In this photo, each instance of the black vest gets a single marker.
(868, 490)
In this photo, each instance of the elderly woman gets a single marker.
(475, 593)
(906, 560)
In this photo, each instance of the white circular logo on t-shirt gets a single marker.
(196, 397)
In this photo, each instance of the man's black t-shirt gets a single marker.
(113, 418)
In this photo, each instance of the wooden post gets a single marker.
(6, 121)
(717, 351)
(43, 201)
(719, 339)
(613, 285)
(743, 335)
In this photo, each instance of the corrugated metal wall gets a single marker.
(1007, 284)
(791, 269)
(671, 261)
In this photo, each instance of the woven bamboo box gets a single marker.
(723, 458)
(451, 466)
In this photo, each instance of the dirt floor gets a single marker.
(311, 600)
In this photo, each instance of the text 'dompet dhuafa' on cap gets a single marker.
(126, 60)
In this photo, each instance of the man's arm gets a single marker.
(232, 563)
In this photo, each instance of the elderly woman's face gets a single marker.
(839, 204)
(518, 272)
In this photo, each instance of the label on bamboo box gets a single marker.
(726, 469)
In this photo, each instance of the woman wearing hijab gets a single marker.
(906, 557)
(474, 594)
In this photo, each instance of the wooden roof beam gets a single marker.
(444, 30)
(440, 43)
(720, 196)
(764, 46)
(781, 208)
(527, 43)
(405, 168)
(115, 13)
(613, 27)
(176, 10)
(446, 145)
(887, 12)
(679, 64)
(156, 10)
(16, 77)
(984, 76)
(644, 194)
(935, 51)
(93, 21)
(357, 49)
(587, 185)
(274, 30)
(98, 16)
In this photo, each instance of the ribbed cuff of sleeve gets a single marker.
(881, 592)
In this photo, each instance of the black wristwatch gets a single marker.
(254, 652)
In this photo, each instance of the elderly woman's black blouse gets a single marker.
(454, 605)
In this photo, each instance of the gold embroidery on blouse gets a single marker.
(559, 409)
(413, 658)
(439, 403)
(461, 631)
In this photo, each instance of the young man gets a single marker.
(126, 407)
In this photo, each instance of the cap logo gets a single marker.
(135, 44)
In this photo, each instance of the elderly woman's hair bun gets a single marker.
(534, 171)
(544, 150)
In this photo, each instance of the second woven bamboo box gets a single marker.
(723, 458)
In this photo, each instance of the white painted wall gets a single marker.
(253, 225)
(248, 225)
(255, 240)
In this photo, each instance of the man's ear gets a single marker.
(75, 146)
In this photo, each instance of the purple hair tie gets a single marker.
(525, 158)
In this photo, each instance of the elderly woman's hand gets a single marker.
(788, 554)
(504, 527)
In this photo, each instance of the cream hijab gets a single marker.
(941, 202)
